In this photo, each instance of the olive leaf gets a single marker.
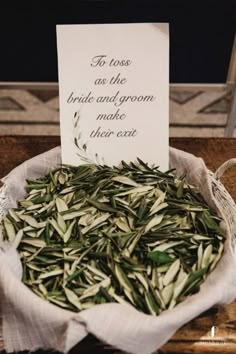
(159, 257)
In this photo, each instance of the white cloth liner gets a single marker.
(30, 323)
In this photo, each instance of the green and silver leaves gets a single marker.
(95, 234)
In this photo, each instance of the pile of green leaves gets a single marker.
(94, 234)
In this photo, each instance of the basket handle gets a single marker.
(224, 167)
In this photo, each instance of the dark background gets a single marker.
(201, 35)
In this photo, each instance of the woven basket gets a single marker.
(90, 344)
(221, 195)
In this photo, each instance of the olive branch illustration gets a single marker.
(82, 146)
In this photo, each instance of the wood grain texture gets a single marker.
(196, 336)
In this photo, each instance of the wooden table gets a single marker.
(196, 336)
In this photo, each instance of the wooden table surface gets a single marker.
(196, 336)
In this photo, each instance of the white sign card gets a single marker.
(114, 93)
